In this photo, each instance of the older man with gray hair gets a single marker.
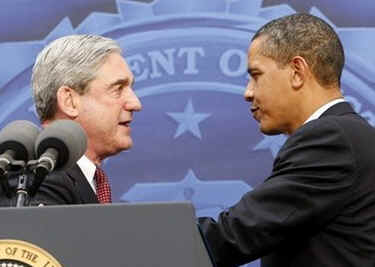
(84, 78)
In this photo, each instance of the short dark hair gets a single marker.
(307, 36)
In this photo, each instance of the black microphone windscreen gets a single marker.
(67, 137)
(20, 137)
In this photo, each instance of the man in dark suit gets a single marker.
(84, 78)
(317, 207)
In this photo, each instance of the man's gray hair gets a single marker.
(71, 61)
(309, 37)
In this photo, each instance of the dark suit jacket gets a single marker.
(317, 208)
(65, 187)
(58, 188)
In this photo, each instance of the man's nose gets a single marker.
(132, 102)
(249, 92)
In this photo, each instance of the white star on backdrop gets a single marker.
(188, 121)
(273, 143)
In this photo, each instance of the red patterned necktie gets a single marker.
(103, 190)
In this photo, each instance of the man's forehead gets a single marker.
(115, 64)
(255, 46)
(252, 55)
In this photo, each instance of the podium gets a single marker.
(161, 234)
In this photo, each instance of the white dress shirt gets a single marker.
(323, 108)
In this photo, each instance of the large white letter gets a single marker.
(134, 63)
(191, 52)
(167, 63)
(229, 55)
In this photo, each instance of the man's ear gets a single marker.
(68, 101)
(300, 71)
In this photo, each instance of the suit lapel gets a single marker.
(86, 194)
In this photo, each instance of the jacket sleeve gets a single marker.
(312, 179)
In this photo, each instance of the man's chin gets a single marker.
(126, 145)
(120, 147)
(269, 131)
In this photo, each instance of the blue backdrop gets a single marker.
(195, 139)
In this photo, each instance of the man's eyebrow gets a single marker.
(122, 82)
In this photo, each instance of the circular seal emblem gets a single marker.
(17, 253)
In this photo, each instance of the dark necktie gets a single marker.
(103, 190)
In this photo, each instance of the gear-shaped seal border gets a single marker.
(359, 72)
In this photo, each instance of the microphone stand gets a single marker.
(22, 192)
(26, 187)
(17, 166)
(30, 177)
(22, 184)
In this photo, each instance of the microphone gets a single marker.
(16, 147)
(17, 141)
(59, 146)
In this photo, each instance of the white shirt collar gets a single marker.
(88, 168)
(323, 108)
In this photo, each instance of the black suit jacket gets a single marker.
(58, 188)
(65, 187)
(317, 208)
